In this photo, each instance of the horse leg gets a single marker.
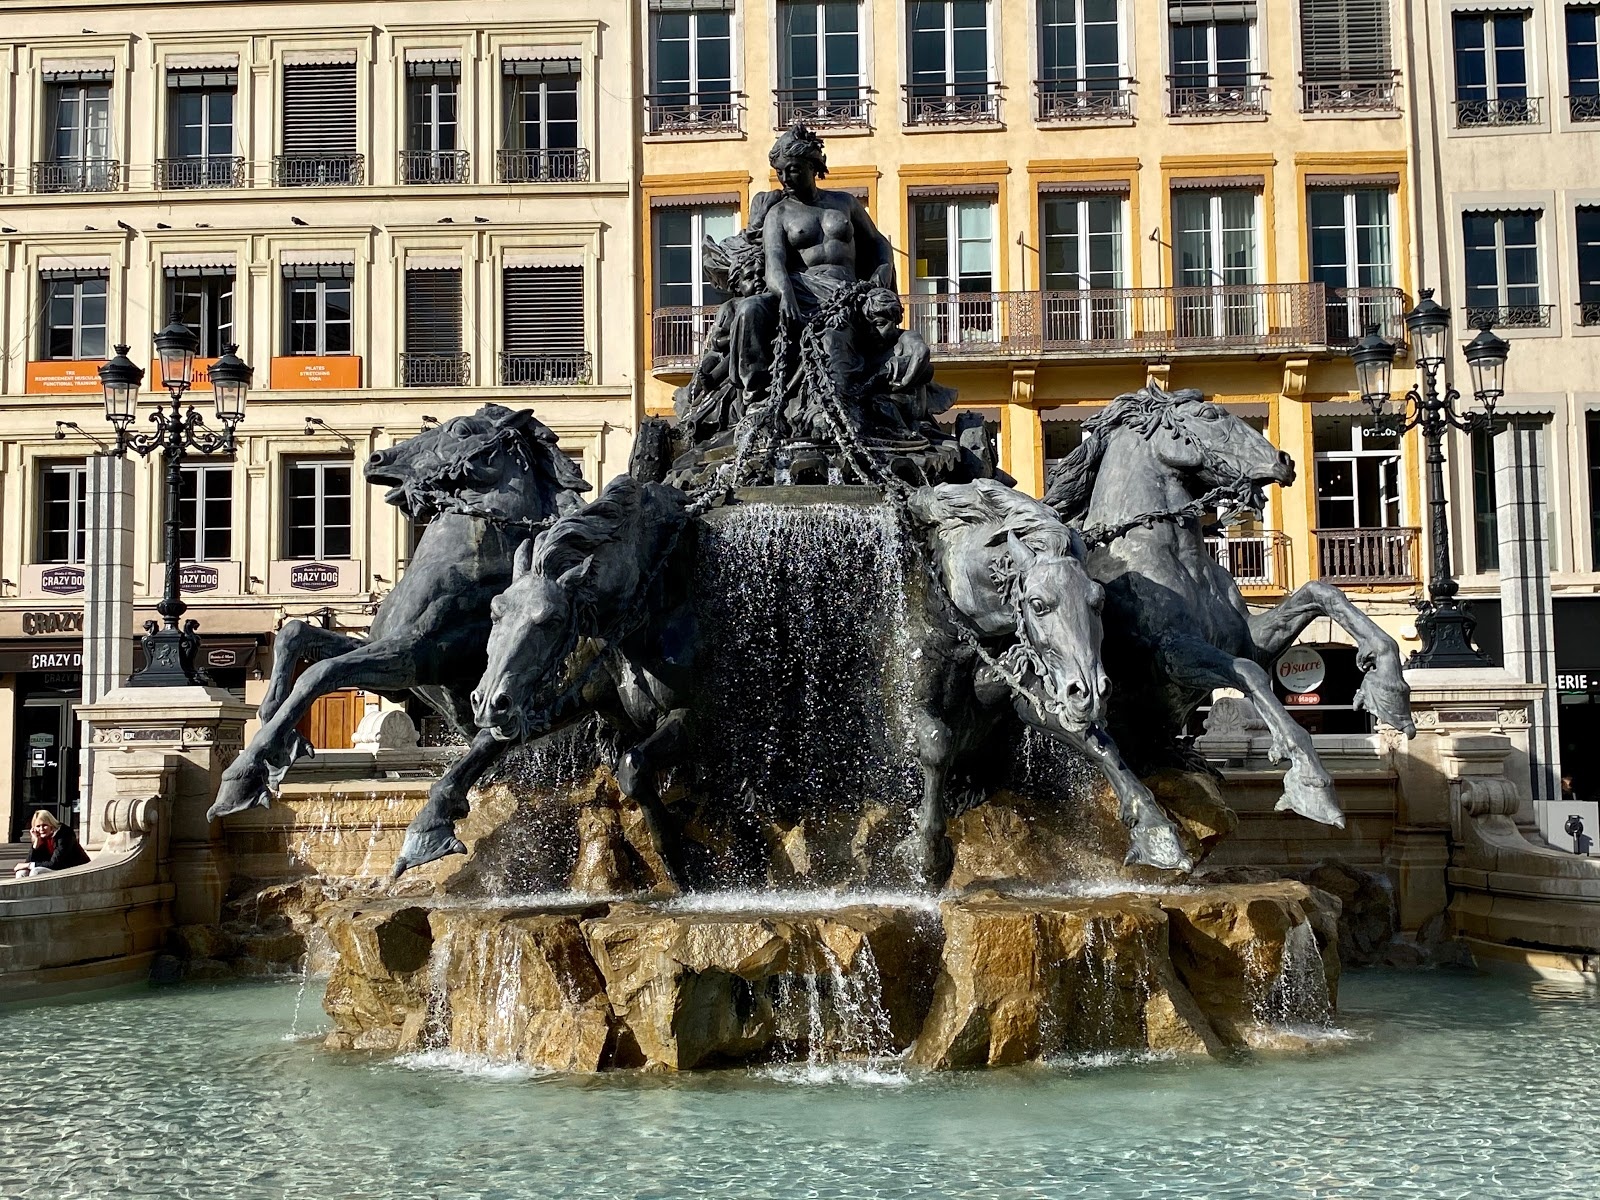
(637, 776)
(254, 776)
(1152, 837)
(1383, 690)
(928, 850)
(431, 834)
(299, 642)
(1307, 789)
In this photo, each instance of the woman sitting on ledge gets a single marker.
(55, 847)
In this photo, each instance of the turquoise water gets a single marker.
(1451, 1085)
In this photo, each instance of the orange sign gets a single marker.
(333, 371)
(61, 378)
(198, 382)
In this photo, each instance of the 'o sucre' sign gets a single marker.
(1300, 669)
(313, 577)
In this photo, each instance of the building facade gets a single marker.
(398, 211)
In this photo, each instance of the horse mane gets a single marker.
(986, 501)
(1071, 482)
(604, 528)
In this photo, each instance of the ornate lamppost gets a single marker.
(169, 651)
(1444, 624)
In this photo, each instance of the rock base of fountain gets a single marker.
(987, 978)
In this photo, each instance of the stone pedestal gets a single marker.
(107, 610)
(204, 728)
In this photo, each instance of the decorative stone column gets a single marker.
(204, 728)
(107, 611)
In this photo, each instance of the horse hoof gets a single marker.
(1312, 799)
(245, 791)
(426, 846)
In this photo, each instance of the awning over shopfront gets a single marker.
(22, 656)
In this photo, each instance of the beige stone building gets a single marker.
(399, 211)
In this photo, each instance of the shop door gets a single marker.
(331, 723)
(47, 762)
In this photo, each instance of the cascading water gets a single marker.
(1298, 995)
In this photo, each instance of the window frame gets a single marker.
(698, 284)
(320, 464)
(1389, 506)
(1490, 51)
(207, 125)
(47, 298)
(429, 90)
(82, 130)
(1080, 76)
(76, 471)
(216, 333)
(949, 87)
(1500, 248)
(1357, 315)
(514, 87)
(199, 530)
(823, 89)
(320, 286)
(694, 93)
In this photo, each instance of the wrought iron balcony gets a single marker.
(952, 103)
(823, 107)
(1368, 557)
(435, 370)
(211, 171)
(678, 334)
(1257, 561)
(1244, 96)
(435, 166)
(1589, 312)
(679, 113)
(1501, 110)
(1352, 309)
(1583, 108)
(570, 165)
(546, 370)
(1349, 95)
(1083, 100)
(78, 175)
(318, 170)
(1511, 316)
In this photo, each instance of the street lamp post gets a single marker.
(170, 651)
(1444, 625)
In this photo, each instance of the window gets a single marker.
(205, 513)
(1583, 64)
(950, 63)
(317, 301)
(953, 255)
(1587, 221)
(431, 154)
(541, 123)
(202, 298)
(691, 85)
(1502, 268)
(1485, 520)
(1344, 55)
(317, 523)
(679, 234)
(63, 513)
(1217, 253)
(544, 319)
(78, 112)
(74, 304)
(433, 356)
(200, 106)
(1083, 248)
(1352, 253)
(1080, 58)
(1358, 475)
(1591, 427)
(1492, 70)
(819, 68)
(1213, 58)
(319, 126)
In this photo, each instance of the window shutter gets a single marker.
(1201, 12)
(433, 312)
(319, 108)
(201, 80)
(1345, 40)
(544, 310)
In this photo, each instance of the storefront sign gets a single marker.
(200, 381)
(332, 371)
(313, 577)
(197, 577)
(13, 660)
(63, 378)
(221, 576)
(35, 624)
(64, 656)
(222, 657)
(1302, 699)
(61, 581)
(1573, 681)
(331, 575)
(1300, 669)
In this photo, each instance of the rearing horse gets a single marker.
(1178, 627)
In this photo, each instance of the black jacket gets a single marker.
(66, 853)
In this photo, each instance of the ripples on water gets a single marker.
(1456, 1086)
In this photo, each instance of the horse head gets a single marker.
(497, 461)
(584, 577)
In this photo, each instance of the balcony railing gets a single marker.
(1352, 309)
(214, 171)
(1244, 97)
(1589, 312)
(435, 166)
(1502, 110)
(1348, 95)
(1255, 560)
(1368, 556)
(435, 370)
(1083, 100)
(1511, 316)
(952, 104)
(77, 175)
(546, 370)
(1583, 108)
(1113, 322)
(823, 107)
(568, 165)
(318, 170)
(677, 113)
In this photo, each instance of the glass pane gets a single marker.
(219, 121)
(1472, 70)
(930, 237)
(671, 52)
